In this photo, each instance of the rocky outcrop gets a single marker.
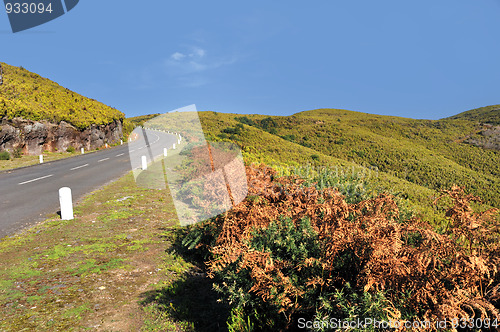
(34, 137)
(488, 138)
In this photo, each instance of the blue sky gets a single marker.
(419, 59)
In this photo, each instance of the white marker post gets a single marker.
(164, 152)
(173, 146)
(121, 142)
(66, 201)
(41, 159)
(106, 145)
(144, 163)
(82, 150)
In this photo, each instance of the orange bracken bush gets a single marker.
(443, 276)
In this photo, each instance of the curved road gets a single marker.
(28, 194)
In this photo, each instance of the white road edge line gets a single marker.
(40, 178)
(79, 167)
(102, 160)
(121, 154)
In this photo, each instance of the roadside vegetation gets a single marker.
(298, 248)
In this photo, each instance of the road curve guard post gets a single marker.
(144, 163)
(82, 150)
(165, 152)
(173, 146)
(66, 202)
(41, 159)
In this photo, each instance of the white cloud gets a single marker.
(191, 66)
(197, 53)
(177, 56)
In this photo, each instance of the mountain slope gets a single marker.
(260, 146)
(487, 114)
(28, 95)
(411, 154)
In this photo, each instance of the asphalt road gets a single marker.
(28, 194)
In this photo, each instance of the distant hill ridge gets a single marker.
(487, 114)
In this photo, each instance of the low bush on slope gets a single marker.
(294, 251)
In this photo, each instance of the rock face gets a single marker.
(34, 137)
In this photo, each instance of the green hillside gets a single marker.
(488, 114)
(415, 158)
(30, 96)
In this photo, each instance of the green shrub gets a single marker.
(290, 138)
(267, 123)
(296, 245)
(70, 149)
(17, 153)
(246, 120)
(231, 131)
(238, 322)
(273, 131)
(4, 155)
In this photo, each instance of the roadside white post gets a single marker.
(106, 145)
(66, 201)
(82, 150)
(121, 142)
(164, 152)
(41, 159)
(144, 163)
(173, 146)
